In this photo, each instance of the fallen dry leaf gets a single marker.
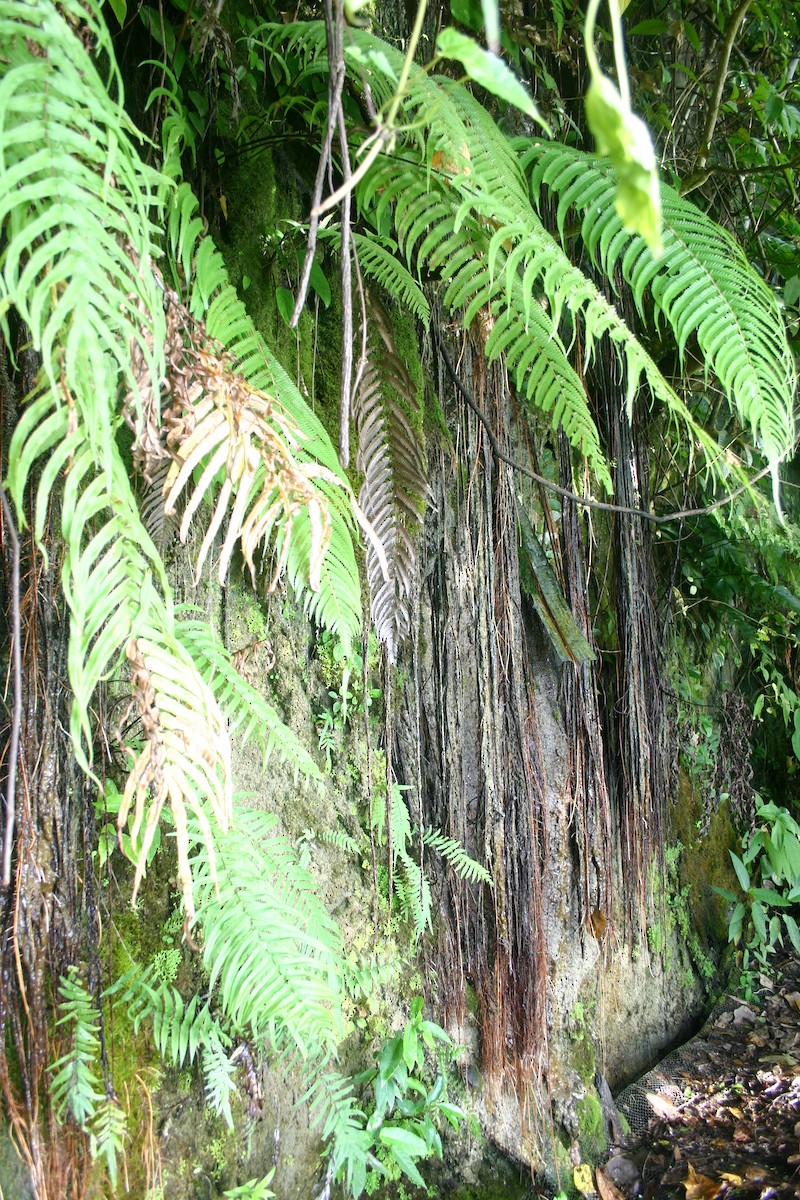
(701, 1187)
(599, 923)
(607, 1189)
(729, 1177)
(661, 1107)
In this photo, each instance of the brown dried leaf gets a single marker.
(662, 1107)
(185, 760)
(701, 1187)
(607, 1189)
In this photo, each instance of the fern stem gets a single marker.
(16, 719)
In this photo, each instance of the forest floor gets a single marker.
(728, 1124)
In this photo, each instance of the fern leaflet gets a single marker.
(74, 1084)
(704, 287)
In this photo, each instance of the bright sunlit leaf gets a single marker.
(625, 139)
(488, 70)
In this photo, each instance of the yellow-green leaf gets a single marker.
(488, 70)
(625, 139)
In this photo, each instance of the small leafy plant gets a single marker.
(769, 876)
(404, 1115)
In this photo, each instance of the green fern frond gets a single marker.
(379, 260)
(180, 1028)
(468, 868)
(76, 211)
(269, 945)
(71, 178)
(395, 487)
(340, 839)
(246, 710)
(414, 893)
(220, 1078)
(370, 974)
(333, 1110)
(458, 197)
(703, 285)
(401, 822)
(107, 1136)
(75, 1086)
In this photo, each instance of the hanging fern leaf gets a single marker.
(333, 1110)
(395, 487)
(268, 942)
(107, 1136)
(74, 1083)
(704, 287)
(71, 179)
(414, 893)
(180, 1028)
(457, 857)
(245, 708)
(378, 259)
(220, 1083)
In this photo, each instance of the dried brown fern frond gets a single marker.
(218, 421)
(395, 488)
(213, 419)
(185, 759)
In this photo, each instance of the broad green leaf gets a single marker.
(792, 930)
(487, 70)
(759, 921)
(408, 1168)
(737, 919)
(285, 301)
(742, 873)
(468, 13)
(119, 9)
(320, 284)
(391, 1057)
(451, 1112)
(768, 896)
(648, 28)
(692, 36)
(625, 139)
(410, 1046)
(398, 1138)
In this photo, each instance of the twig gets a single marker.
(336, 78)
(655, 519)
(384, 132)
(16, 720)
(719, 84)
(345, 396)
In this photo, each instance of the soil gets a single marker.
(728, 1116)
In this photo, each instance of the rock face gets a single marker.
(566, 981)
